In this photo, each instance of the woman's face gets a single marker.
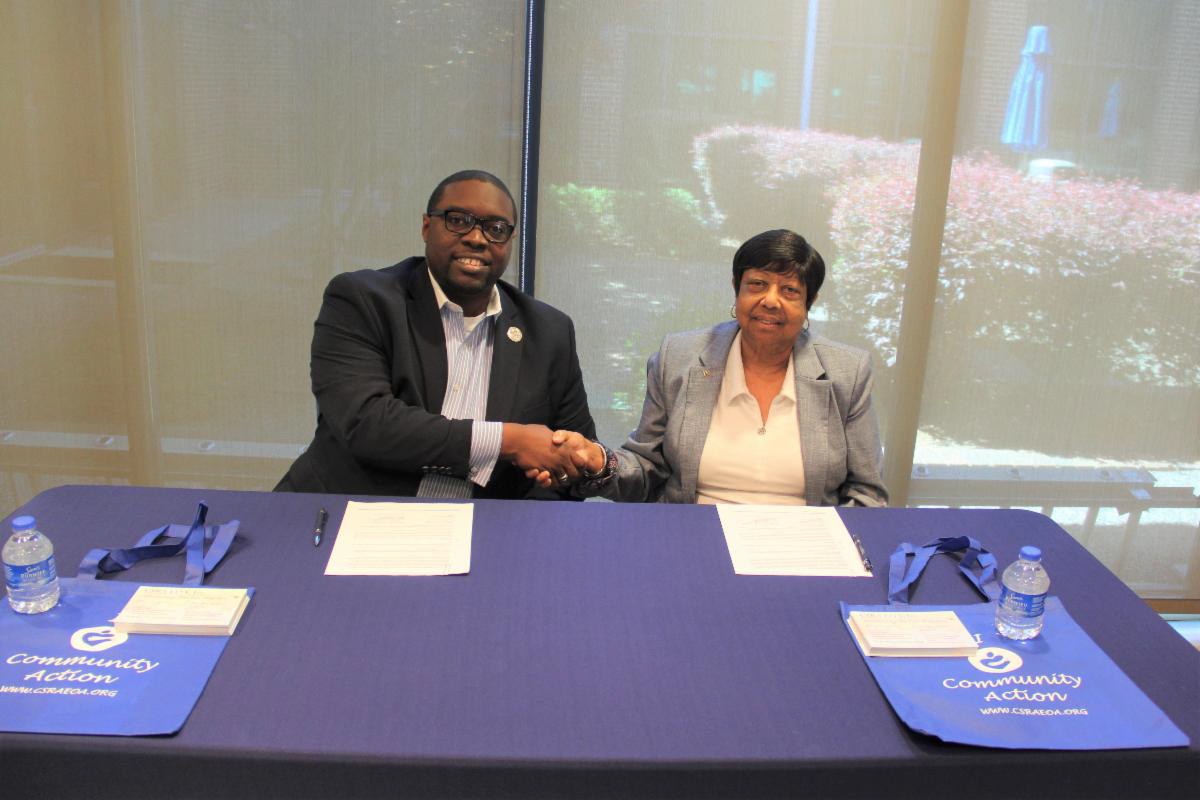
(771, 307)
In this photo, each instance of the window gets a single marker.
(167, 230)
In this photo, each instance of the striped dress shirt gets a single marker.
(469, 369)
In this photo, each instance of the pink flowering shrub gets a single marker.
(1079, 264)
(1015, 252)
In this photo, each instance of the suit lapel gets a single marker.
(508, 344)
(425, 321)
(813, 399)
(700, 398)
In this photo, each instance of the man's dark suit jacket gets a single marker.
(379, 376)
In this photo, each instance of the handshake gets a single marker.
(551, 458)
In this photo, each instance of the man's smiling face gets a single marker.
(467, 265)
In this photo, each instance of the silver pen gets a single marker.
(862, 553)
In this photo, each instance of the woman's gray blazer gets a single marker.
(838, 429)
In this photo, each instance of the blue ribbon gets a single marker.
(902, 575)
(178, 538)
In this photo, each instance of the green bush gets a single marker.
(667, 223)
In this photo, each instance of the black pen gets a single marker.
(862, 553)
(319, 528)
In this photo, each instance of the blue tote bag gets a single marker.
(68, 670)
(1059, 691)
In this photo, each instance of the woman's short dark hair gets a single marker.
(784, 252)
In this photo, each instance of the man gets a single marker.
(434, 380)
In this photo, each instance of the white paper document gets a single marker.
(403, 539)
(790, 540)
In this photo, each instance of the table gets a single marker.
(595, 650)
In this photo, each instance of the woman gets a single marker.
(756, 410)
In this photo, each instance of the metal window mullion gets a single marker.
(535, 18)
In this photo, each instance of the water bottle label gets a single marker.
(1027, 605)
(24, 576)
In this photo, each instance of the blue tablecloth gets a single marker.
(595, 649)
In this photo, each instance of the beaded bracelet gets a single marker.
(594, 480)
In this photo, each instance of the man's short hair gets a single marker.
(469, 175)
(784, 252)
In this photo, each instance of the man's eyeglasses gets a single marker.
(496, 231)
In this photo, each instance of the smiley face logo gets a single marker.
(92, 640)
(995, 660)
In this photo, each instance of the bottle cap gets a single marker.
(1031, 553)
(22, 523)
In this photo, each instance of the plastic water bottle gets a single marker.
(1019, 614)
(29, 571)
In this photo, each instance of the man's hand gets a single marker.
(532, 448)
(584, 453)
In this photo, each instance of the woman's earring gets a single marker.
(733, 310)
